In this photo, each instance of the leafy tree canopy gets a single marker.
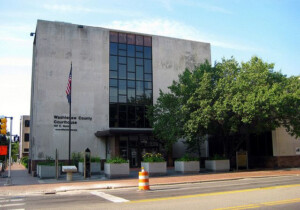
(227, 98)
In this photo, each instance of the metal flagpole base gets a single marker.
(8, 182)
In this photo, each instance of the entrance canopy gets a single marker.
(123, 131)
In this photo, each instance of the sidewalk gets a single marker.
(24, 184)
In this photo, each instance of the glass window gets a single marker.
(122, 119)
(122, 37)
(113, 112)
(148, 66)
(139, 48)
(131, 50)
(139, 88)
(131, 95)
(122, 52)
(131, 64)
(131, 84)
(139, 116)
(147, 41)
(113, 74)
(113, 48)
(27, 123)
(148, 85)
(113, 83)
(122, 60)
(113, 36)
(139, 55)
(139, 40)
(122, 71)
(113, 60)
(113, 94)
(148, 52)
(122, 99)
(130, 39)
(131, 76)
(122, 108)
(122, 46)
(148, 93)
(148, 77)
(26, 137)
(122, 87)
(139, 62)
(139, 73)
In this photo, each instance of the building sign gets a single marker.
(61, 122)
(3, 150)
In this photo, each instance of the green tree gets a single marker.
(227, 99)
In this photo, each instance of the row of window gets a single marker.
(130, 39)
(130, 50)
(130, 64)
(128, 116)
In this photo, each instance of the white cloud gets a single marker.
(164, 27)
(205, 6)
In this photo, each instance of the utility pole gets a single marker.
(9, 154)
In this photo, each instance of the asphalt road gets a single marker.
(261, 193)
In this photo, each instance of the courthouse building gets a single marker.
(115, 74)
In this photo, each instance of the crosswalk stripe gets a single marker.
(12, 204)
(109, 197)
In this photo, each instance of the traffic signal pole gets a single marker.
(9, 161)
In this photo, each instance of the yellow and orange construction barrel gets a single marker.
(144, 180)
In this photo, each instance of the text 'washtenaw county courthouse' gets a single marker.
(115, 75)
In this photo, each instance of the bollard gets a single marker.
(144, 180)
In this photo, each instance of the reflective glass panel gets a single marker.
(139, 62)
(148, 85)
(131, 95)
(122, 52)
(122, 71)
(148, 77)
(122, 87)
(148, 66)
(131, 64)
(131, 76)
(131, 84)
(113, 62)
(148, 52)
(139, 55)
(113, 82)
(139, 88)
(122, 46)
(131, 50)
(122, 99)
(113, 49)
(122, 60)
(139, 73)
(113, 74)
(113, 94)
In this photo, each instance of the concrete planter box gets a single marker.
(95, 167)
(155, 168)
(45, 172)
(116, 170)
(217, 165)
(187, 166)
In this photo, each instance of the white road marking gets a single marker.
(109, 197)
(13, 204)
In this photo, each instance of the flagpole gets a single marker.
(70, 120)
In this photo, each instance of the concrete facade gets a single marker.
(58, 44)
(24, 136)
(284, 144)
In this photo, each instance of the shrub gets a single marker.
(76, 157)
(218, 157)
(117, 160)
(93, 159)
(49, 162)
(24, 161)
(187, 158)
(153, 157)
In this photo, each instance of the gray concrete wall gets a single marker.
(284, 144)
(58, 44)
(171, 57)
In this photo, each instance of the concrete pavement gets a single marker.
(24, 184)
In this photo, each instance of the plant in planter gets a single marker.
(187, 164)
(95, 165)
(116, 167)
(217, 163)
(154, 164)
(46, 169)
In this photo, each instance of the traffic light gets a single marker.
(3, 126)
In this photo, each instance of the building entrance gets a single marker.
(132, 148)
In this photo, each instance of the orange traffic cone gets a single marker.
(144, 180)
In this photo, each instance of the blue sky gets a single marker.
(269, 29)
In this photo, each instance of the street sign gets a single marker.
(3, 150)
(241, 159)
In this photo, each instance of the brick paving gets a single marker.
(24, 184)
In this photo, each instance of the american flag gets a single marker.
(69, 86)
